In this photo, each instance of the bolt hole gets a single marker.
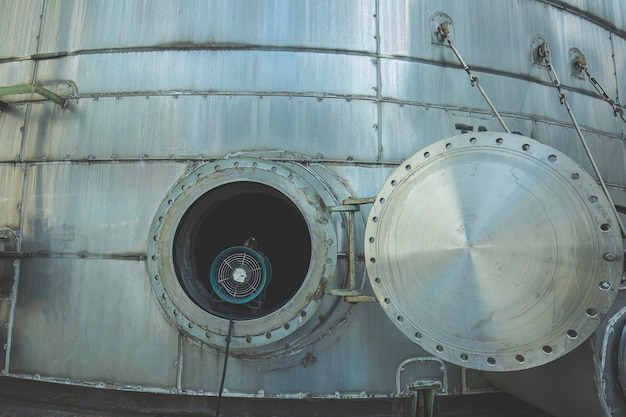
(303, 314)
(575, 176)
(464, 357)
(439, 348)
(604, 286)
(499, 141)
(472, 141)
(387, 300)
(407, 167)
(448, 145)
(520, 358)
(491, 361)
(525, 146)
(605, 227)
(393, 183)
(372, 239)
(426, 154)
(572, 334)
(373, 260)
(377, 280)
(375, 219)
(418, 335)
(593, 199)
(592, 313)
(400, 319)
(268, 335)
(552, 158)
(382, 201)
(547, 349)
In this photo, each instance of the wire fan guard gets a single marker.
(239, 274)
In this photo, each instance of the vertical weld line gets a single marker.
(379, 85)
(44, 6)
(617, 81)
(179, 363)
(18, 262)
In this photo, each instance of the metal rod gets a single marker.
(595, 167)
(543, 52)
(33, 89)
(444, 31)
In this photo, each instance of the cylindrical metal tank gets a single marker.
(414, 242)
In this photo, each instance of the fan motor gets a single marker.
(239, 274)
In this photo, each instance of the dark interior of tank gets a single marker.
(225, 217)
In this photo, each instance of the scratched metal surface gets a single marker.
(158, 87)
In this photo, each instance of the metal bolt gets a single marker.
(609, 256)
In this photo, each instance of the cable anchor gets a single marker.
(443, 31)
(544, 53)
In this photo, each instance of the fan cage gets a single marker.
(240, 274)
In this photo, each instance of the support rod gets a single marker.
(544, 53)
(444, 31)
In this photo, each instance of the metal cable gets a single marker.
(231, 324)
(618, 110)
(544, 53)
(444, 31)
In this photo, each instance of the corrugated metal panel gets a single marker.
(609, 153)
(17, 72)
(496, 41)
(99, 320)
(229, 71)
(94, 207)
(11, 123)
(320, 369)
(19, 38)
(212, 126)
(612, 12)
(76, 25)
(174, 80)
(450, 87)
(407, 128)
(11, 179)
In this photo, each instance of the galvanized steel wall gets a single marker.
(156, 88)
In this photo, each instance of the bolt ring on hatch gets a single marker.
(490, 251)
(209, 211)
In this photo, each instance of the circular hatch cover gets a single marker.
(493, 251)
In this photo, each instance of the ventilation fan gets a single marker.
(239, 274)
